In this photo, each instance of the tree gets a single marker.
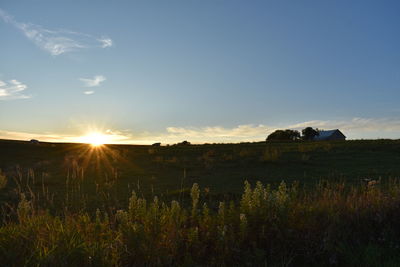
(284, 135)
(309, 133)
(184, 143)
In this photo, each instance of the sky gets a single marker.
(204, 71)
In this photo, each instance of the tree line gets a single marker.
(293, 135)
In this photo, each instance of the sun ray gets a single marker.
(95, 139)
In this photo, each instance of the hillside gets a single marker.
(221, 167)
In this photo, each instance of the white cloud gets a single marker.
(241, 132)
(27, 136)
(88, 92)
(95, 81)
(7, 18)
(112, 136)
(12, 90)
(355, 125)
(56, 42)
(106, 42)
(354, 128)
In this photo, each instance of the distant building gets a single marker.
(156, 144)
(329, 135)
(34, 141)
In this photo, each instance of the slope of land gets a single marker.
(76, 205)
(222, 168)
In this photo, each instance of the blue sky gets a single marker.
(205, 71)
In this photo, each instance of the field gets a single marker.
(276, 204)
(221, 167)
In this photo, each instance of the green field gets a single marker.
(317, 203)
(221, 167)
(168, 170)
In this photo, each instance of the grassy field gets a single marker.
(329, 203)
(221, 167)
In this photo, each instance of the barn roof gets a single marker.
(326, 134)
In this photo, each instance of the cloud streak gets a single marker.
(354, 128)
(57, 42)
(88, 92)
(95, 81)
(116, 137)
(42, 137)
(12, 89)
(362, 125)
(241, 132)
(105, 42)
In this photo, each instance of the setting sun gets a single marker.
(95, 139)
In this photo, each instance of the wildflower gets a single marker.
(221, 211)
(24, 208)
(3, 180)
(373, 182)
(122, 217)
(195, 194)
(243, 223)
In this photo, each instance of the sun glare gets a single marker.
(96, 139)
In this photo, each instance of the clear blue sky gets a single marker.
(199, 70)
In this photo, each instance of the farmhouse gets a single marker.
(329, 135)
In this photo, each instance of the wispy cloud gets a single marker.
(218, 133)
(105, 42)
(57, 42)
(29, 135)
(12, 89)
(113, 136)
(95, 81)
(362, 125)
(88, 92)
(354, 128)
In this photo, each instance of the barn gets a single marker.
(329, 135)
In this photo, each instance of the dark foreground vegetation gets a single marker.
(73, 205)
(221, 167)
(332, 225)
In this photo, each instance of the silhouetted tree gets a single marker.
(284, 135)
(309, 133)
(184, 143)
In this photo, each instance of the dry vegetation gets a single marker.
(87, 220)
(333, 224)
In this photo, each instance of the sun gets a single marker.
(96, 139)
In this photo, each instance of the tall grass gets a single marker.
(332, 224)
(3, 180)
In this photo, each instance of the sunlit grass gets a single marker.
(334, 224)
(91, 217)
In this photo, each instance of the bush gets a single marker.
(284, 135)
